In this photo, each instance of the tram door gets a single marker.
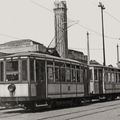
(100, 77)
(86, 82)
(98, 81)
(40, 79)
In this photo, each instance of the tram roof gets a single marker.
(40, 55)
(101, 66)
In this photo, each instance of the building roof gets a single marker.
(79, 52)
(19, 42)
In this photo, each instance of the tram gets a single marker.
(104, 81)
(31, 78)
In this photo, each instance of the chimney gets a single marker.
(61, 38)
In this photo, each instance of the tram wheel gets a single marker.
(29, 106)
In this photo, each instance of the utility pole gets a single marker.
(102, 8)
(88, 49)
(117, 53)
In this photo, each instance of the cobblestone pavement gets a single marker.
(98, 111)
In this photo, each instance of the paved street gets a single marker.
(98, 111)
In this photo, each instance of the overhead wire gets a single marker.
(116, 19)
(91, 30)
(40, 5)
(106, 12)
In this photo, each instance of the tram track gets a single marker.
(62, 114)
(83, 113)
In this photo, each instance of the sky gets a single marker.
(34, 19)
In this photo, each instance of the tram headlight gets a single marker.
(11, 87)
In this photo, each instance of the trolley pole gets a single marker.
(88, 49)
(102, 8)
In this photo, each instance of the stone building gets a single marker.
(25, 45)
(77, 55)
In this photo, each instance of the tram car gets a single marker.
(104, 81)
(31, 79)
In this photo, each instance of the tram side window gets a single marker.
(109, 77)
(40, 70)
(31, 69)
(95, 74)
(90, 74)
(1, 71)
(85, 74)
(116, 77)
(57, 72)
(106, 76)
(100, 74)
(24, 70)
(68, 77)
(119, 77)
(62, 74)
(50, 74)
(81, 75)
(73, 75)
(12, 71)
(78, 75)
(112, 77)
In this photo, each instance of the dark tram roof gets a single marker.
(101, 66)
(3, 54)
(94, 63)
(39, 55)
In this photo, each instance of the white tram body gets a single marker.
(36, 78)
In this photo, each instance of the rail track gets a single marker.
(82, 113)
(61, 114)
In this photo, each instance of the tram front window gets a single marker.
(24, 70)
(12, 71)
